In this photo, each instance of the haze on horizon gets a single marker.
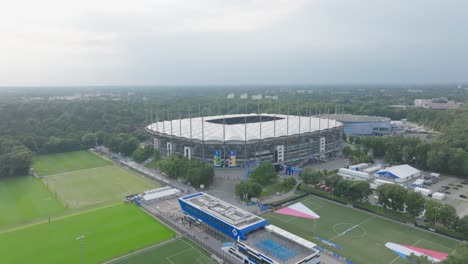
(175, 42)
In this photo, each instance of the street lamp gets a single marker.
(81, 238)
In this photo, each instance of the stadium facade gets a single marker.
(252, 239)
(238, 140)
(363, 125)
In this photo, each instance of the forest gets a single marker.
(34, 121)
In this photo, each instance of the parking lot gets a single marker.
(453, 188)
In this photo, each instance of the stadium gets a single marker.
(244, 139)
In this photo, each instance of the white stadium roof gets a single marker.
(212, 127)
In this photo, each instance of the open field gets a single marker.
(95, 186)
(66, 162)
(362, 235)
(180, 251)
(109, 232)
(25, 198)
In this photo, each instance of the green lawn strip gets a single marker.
(66, 162)
(364, 242)
(109, 232)
(24, 198)
(96, 186)
(180, 251)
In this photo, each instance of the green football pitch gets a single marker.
(362, 235)
(66, 162)
(25, 198)
(96, 186)
(180, 251)
(108, 232)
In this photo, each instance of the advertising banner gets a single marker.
(217, 158)
(326, 242)
(232, 162)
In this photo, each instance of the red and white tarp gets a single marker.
(299, 210)
(405, 251)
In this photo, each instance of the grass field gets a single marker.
(95, 186)
(66, 162)
(180, 251)
(109, 232)
(25, 198)
(362, 236)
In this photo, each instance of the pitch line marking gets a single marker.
(181, 252)
(201, 254)
(351, 228)
(68, 172)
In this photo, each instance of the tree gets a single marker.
(448, 215)
(459, 256)
(265, 174)
(128, 146)
(311, 176)
(242, 189)
(415, 203)
(432, 214)
(413, 259)
(290, 182)
(142, 154)
(255, 190)
(359, 191)
(463, 226)
(88, 140)
(392, 195)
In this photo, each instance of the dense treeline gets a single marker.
(194, 172)
(435, 156)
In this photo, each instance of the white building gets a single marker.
(231, 96)
(399, 173)
(257, 97)
(244, 96)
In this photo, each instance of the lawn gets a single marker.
(96, 186)
(108, 233)
(25, 198)
(180, 251)
(361, 235)
(66, 162)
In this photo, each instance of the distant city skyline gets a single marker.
(242, 42)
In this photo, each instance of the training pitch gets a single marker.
(362, 235)
(107, 233)
(66, 162)
(96, 186)
(24, 198)
(180, 251)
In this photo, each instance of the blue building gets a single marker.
(254, 240)
(363, 125)
(220, 215)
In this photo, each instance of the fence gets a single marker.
(204, 239)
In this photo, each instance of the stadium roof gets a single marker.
(357, 118)
(242, 127)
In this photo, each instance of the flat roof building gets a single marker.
(363, 125)
(254, 240)
(399, 173)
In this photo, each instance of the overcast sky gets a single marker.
(184, 42)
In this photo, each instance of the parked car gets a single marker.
(447, 192)
(463, 196)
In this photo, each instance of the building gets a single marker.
(231, 96)
(362, 125)
(252, 239)
(257, 97)
(437, 103)
(244, 139)
(244, 96)
(399, 173)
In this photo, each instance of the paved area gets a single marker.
(330, 165)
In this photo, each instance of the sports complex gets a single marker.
(74, 206)
(242, 139)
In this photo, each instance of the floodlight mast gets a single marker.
(81, 238)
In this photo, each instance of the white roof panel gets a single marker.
(288, 125)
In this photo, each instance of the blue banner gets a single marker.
(329, 243)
